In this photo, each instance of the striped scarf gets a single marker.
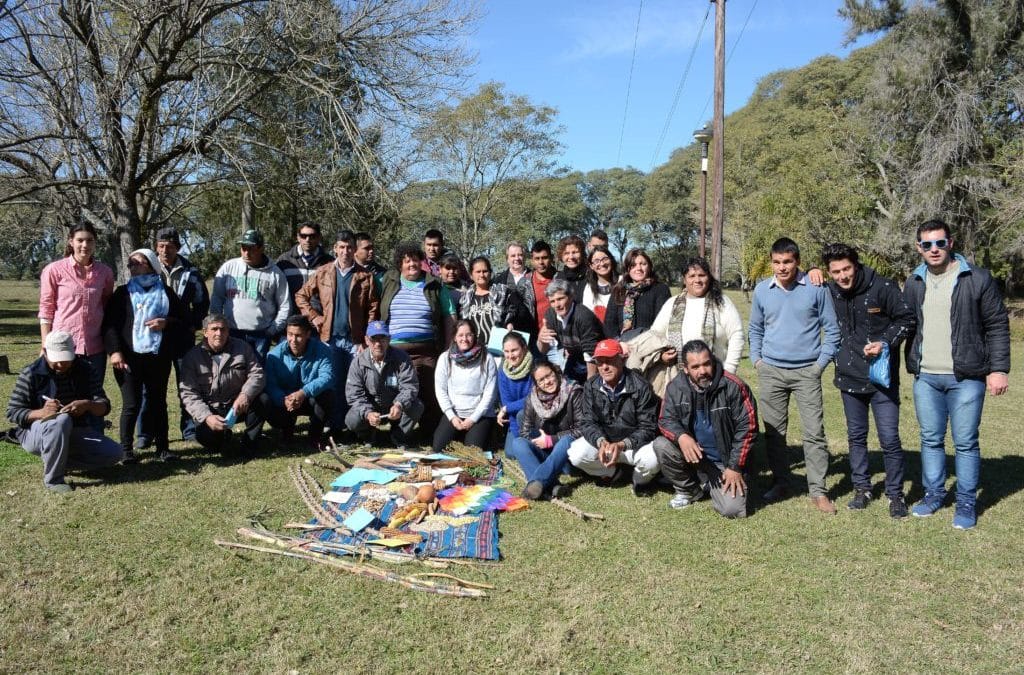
(633, 290)
(674, 333)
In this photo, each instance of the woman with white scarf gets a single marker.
(145, 327)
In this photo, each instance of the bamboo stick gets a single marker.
(582, 515)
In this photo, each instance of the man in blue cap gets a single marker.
(382, 390)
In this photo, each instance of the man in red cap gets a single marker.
(619, 421)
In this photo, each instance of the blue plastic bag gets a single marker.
(878, 368)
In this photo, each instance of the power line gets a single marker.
(629, 82)
(679, 89)
(732, 51)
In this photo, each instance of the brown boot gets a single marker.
(824, 504)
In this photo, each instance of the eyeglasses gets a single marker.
(938, 243)
(600, 261)
(308, 235)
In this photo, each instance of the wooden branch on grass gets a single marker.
(459, 589)
(582, 515)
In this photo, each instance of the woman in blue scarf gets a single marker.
(145, 328)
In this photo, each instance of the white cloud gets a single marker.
(605, 30)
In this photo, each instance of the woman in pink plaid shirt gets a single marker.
(72, 294)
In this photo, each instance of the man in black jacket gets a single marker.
(619, 421)
(961, 347)
(873, 320)
(53, 401)
(708, 426)
(572, 329)
(300, 262)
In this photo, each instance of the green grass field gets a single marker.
(123, 575)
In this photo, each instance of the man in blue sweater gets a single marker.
(787, 317)
(300, 376)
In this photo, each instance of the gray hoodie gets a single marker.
(252, 298)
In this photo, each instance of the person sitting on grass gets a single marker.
(619, 422)
(550, 423)
(708, 426)
(221, 380)
(466, 383)
(382, 390)
(300, 381)
(55, 400)
(514, 383)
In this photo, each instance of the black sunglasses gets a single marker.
(136, 263)
(308, 235)
(938, 243)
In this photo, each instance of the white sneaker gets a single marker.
(681, 500)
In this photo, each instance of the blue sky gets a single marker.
(575, 55)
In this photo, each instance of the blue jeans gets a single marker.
(938, 398)
(257, 339)
(541, 464)
(885, 403)
(344, 351)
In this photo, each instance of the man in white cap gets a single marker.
(54, 400)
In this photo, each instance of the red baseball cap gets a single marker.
(608, 347)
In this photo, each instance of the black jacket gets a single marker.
(119, 316)
(297, 272)
(730, 407)
(645, 310)
(580, 335)
(874, 310)
(981, 326)
(564, 423)
(576, 278)
(632, 418)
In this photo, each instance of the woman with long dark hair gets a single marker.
(145, 329)
(601, 277)
(466, 385)
(514, 383)
(487, 304)
(636, 297)
(551, 418)
(73, 293)
(701, 312)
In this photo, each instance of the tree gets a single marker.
(481, 145)
(547, 208)
(946, 100)
(614, 197)
(123, 112)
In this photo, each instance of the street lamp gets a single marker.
(703, 135)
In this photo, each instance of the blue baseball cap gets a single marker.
(377, 328)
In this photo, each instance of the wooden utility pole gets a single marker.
(718, 138)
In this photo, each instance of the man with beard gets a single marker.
(708, 426)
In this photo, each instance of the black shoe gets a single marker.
(643, 491)
(777, 493)
(129, 458)
(860, 500)
(898, 508)
(166, 456)
(534, 490)
(143, 442)
(559, 491)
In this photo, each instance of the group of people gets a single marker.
(582, 363)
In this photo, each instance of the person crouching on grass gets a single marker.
(55, 400)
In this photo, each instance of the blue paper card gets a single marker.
(230, 418)
(358, 519)
(354, 477)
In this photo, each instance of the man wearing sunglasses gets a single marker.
(961, 347)
(301, 261)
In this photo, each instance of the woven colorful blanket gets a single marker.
(479, 499)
